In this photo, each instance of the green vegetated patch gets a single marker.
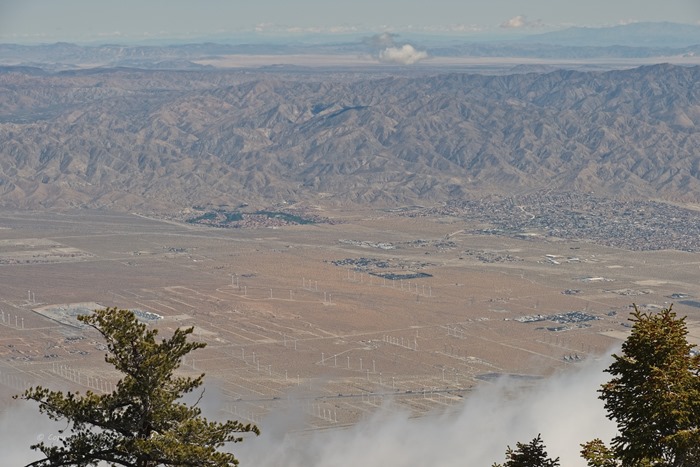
(291, 218)
(207, 216)
(256, 219)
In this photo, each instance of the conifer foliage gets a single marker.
(654, 395)
(142, 423)
(532, 454)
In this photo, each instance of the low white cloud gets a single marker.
(21, 425)
(265, 27)
(404, 55)
(564, 409)
(626, 21)
(514, 22)
(443, 28)
(274, 28)
(521, 22)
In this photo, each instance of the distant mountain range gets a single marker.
(157, 140)
(654, 35)
(637, 40)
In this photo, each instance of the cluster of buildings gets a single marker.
(631, 225)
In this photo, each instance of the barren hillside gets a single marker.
(166, 140)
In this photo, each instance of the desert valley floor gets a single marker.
(337, 316)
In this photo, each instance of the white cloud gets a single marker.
(564, 409)
(520, 22)
(21, 425)
(514, 22)
(265, 27)
(445, 28)
(274, 28)
(624, 22)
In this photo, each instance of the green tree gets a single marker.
(532, 454)
(597, 454)
(142, 423)
(654, 395)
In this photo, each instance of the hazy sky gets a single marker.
(102, 20)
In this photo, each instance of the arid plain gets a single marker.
(336, 317)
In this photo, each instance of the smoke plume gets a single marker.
(404, 55)
(385, 49)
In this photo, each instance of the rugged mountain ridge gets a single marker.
(156, 140)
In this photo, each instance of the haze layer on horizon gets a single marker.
(45, 21)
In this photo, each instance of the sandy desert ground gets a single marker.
(282, 321)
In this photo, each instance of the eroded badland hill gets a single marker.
(126, 139)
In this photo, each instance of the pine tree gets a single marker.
(142, 423)
(597, 454)
(654, 395)
(532, 454)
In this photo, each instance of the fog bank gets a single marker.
(563, 408)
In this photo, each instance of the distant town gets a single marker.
(631, 225)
